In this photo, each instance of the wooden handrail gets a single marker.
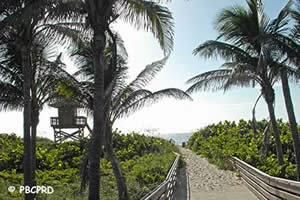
(265, 186)
(166, 189)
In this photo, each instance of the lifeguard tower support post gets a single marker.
(68, 119)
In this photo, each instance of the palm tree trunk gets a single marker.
(121, 183)
(99, 119)
(292, 119)
(265, 141)
(27, 167)
(35, 121)
(269, 97)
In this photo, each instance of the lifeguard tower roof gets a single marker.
(63, 102)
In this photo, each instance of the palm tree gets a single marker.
(148, 15)
(246, 61)
(46, 76)
(286, 54)
(24, 41)
(25, 19)
(129, 99)
(122, 98)
(288, 48)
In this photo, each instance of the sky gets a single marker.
(194, 24)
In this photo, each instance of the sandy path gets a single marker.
(207, 182)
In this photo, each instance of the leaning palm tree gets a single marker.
(246, 63)
(148, 15)
(126, 100)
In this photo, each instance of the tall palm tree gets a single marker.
(26, 18)
(246, 64)
(286, 53)
(24, 41)
(45, 78)
(288, 48)
(148, 15)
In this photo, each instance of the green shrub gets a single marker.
(145, 162)
(219, 142)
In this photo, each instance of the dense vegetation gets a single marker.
(145, 162)
(218, 142)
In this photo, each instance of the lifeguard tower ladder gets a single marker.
(68, 119)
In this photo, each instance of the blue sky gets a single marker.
(193, 26)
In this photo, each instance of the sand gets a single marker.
(207, 182)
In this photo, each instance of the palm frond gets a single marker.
(240, 80)
(11, 97)
(127, 99)
(241, 27)
(129, 107)
(66, 11)
(239, 69)
(287, 46)
(64, 33)
(295, 14)
(228, 52)
(278, 25)
(120, 84)
(150, 16)
(211, 80)
(150, 71)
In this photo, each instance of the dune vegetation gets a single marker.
(144, 160)
(219, 142)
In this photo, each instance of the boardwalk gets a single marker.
(207, 182)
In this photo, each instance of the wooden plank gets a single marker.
(283, 188)
(261, 175)
(254, 191)
(259, 189)
(259, 183)
(288, 185)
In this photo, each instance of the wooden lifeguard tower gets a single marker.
(68, 119)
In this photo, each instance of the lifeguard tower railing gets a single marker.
(59, 124)
(77, 122)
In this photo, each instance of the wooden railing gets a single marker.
(78, 121)
(165, 191)
(267, 187)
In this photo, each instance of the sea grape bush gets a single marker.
(133, 144)
(218, 142)
(145, 162)
(49, 156)
(11, 155)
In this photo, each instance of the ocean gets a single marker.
(179, 138)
